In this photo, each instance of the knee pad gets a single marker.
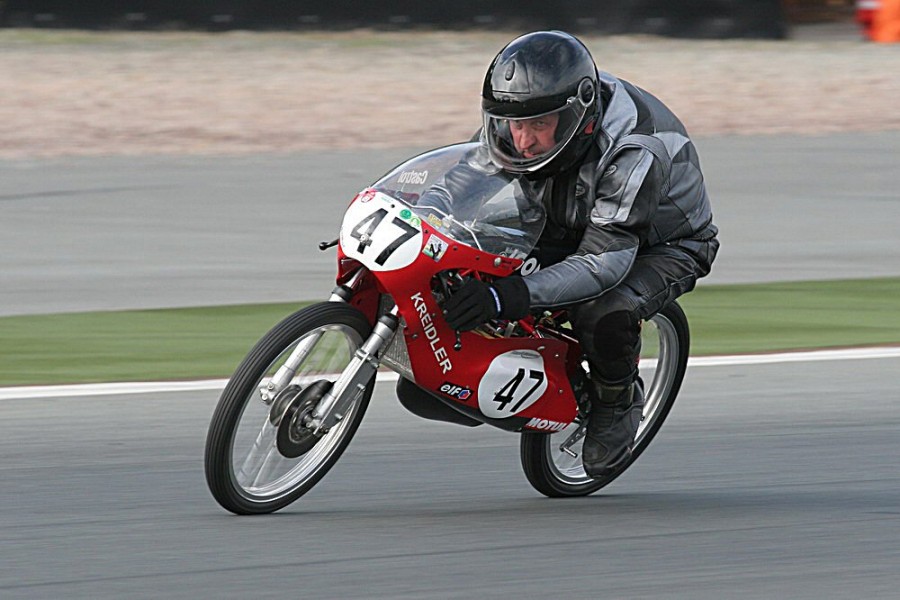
(617, 335)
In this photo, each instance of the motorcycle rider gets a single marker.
(629, 225)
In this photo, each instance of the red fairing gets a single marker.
(500, 377)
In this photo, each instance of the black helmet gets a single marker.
(547, 74)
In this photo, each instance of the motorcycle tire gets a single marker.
(248, 469)
(666, 338)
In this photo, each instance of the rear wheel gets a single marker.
(259, 455)
(665, 344)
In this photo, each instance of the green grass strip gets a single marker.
(728, 319)
(140, 345)
(189, 343)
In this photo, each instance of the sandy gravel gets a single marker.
(73, 93)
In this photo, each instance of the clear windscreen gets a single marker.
(459, 193)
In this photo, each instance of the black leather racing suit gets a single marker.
(628, 230)
(634, 224)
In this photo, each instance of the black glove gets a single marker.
(477, 302)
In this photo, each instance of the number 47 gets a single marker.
(371, 222)
(507, 393)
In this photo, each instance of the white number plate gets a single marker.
(380, 232)
(514, 381)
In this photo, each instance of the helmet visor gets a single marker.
(526, 144)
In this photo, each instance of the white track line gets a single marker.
(105, 389)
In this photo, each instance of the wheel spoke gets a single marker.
(256, 456)
(267, 468)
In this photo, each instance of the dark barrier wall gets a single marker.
(682, 18)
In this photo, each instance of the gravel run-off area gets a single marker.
(102, 93)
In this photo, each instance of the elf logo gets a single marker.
(455, 391)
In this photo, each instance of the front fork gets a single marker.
(286, 372)
(352, 381)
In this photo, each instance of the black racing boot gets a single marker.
(612, 424)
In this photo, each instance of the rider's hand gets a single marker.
(477, 302)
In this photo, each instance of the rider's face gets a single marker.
(533, 137)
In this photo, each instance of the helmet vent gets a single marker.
(510, 71)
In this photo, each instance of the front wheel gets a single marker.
(665, 344)
(259, 457)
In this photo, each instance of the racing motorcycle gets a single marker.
(296, 400)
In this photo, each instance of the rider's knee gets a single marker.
(612, 347)
(616, 335)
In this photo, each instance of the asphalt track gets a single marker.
(768, 481)
(112, 233)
